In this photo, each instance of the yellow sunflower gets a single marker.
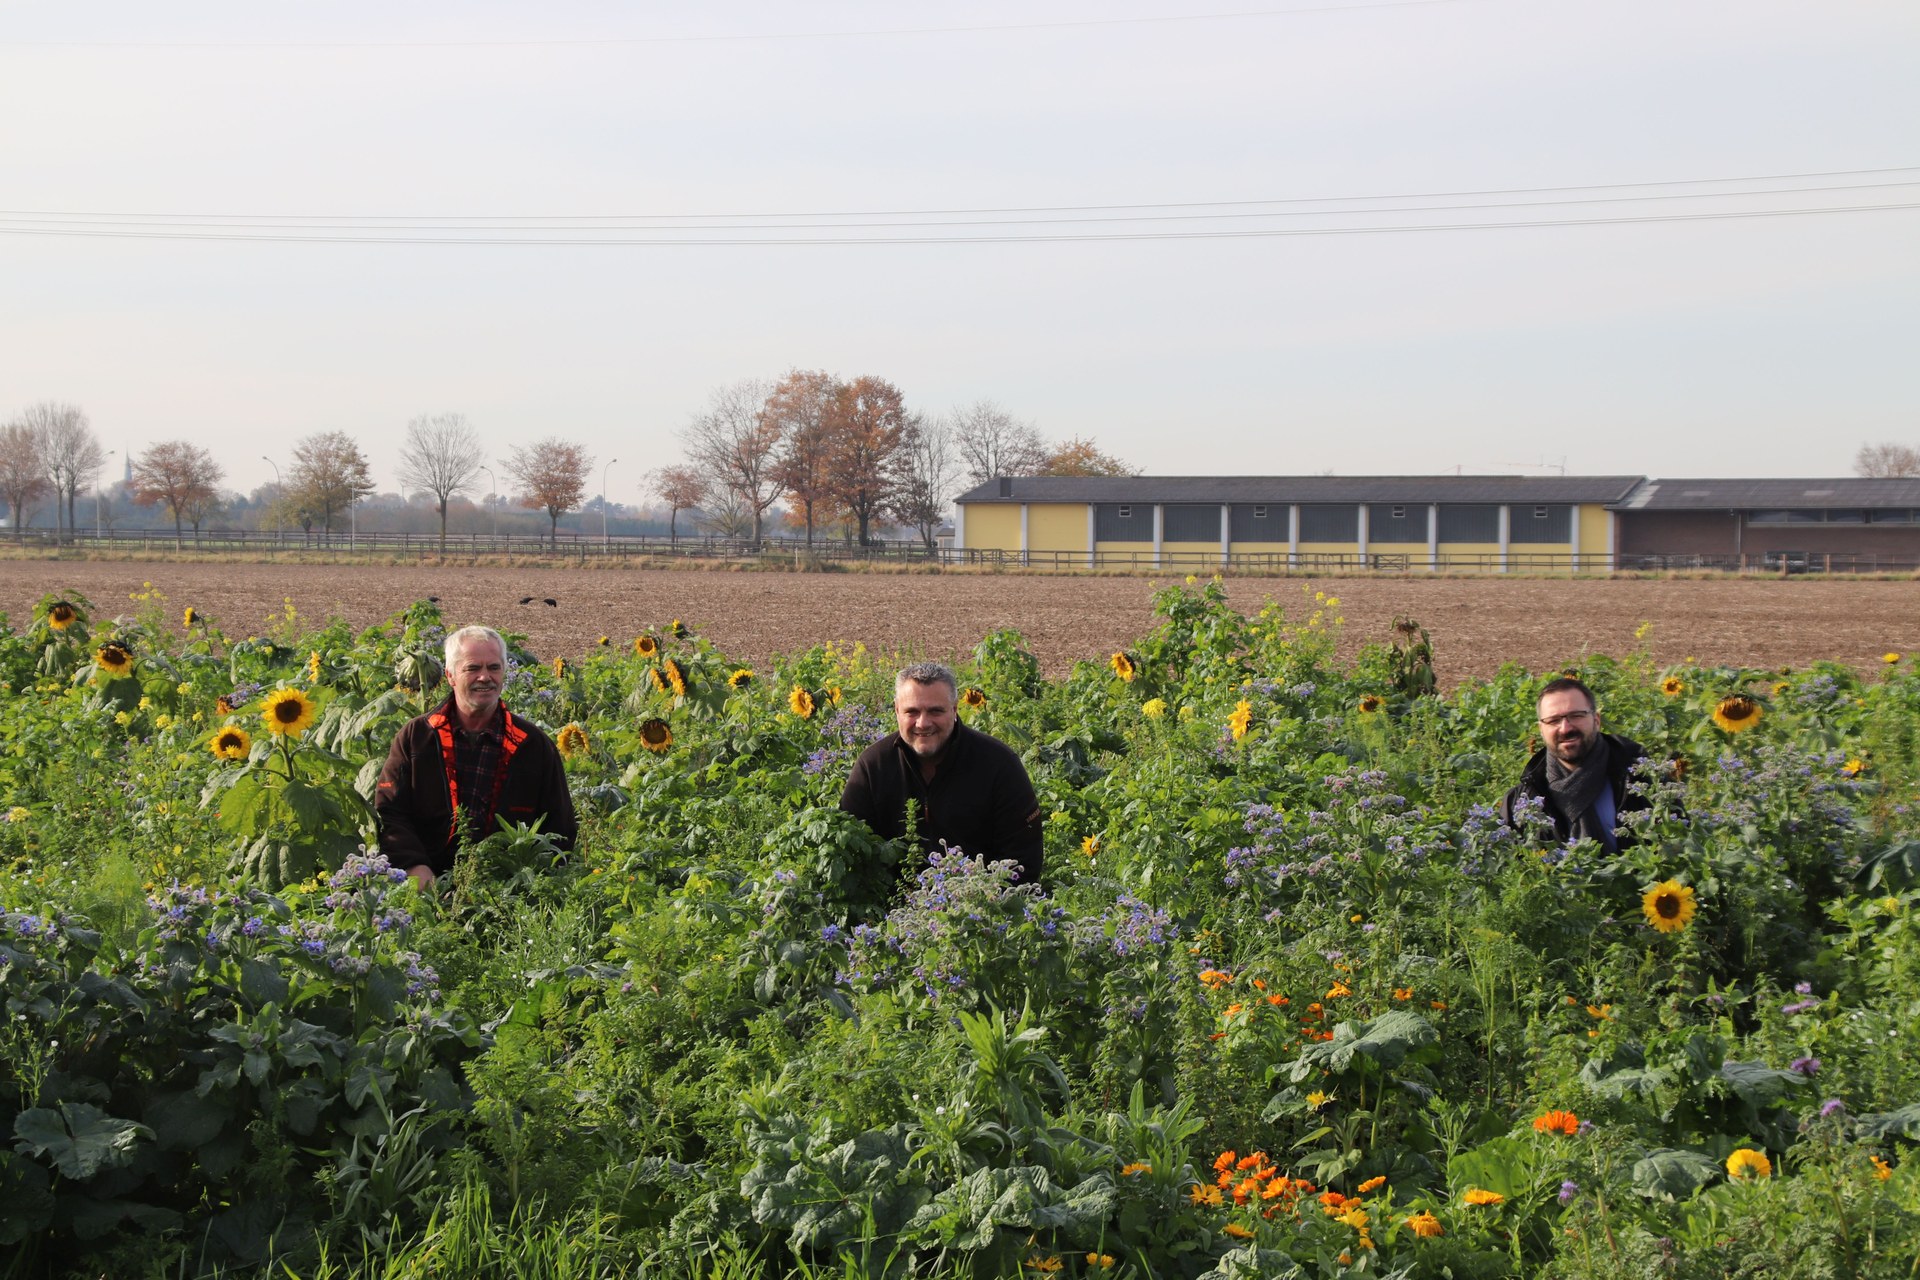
(604, 641)
(1889, 658)
(313, 667)
(288, 713)
(679, 629)
(571, 741)
(1668, 906)
(655, 736)
(1122, 666)
(740, 679)
(1673, 686)
(1737, 713)
(1242, 717)
(659, 680)
(114, 659)
(559, 668)
(800, 702)
(646, 646)
(188, 618)
(62, 615)
(833, 694)
(676, 679)
(973, 699)
(1371, 703)
(231, 743)
(1748, 1163)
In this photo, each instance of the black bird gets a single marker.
(526, 599)
(433, 599)
(551, 603)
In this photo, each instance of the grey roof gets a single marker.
(1750, 495)
(1288, 489)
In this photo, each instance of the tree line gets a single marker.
(844, 456)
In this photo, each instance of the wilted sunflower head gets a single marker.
(1123, 667)
(188, 618)
(740, 679)
(559, 668)
(973, 699)
(571, 741)
(1673, 686)
(800, 702)
(113, 658)
(604, 641)
(1737, 713)
(678, 629)
(61, 615)
(656, 736)
(313, 667)
(1371, 703)
(1668, 906)
(676, 679)
(288, 713)
(646, 646)
(231, 743)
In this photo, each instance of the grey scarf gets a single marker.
(1575, 790)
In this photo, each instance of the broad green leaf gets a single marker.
(1669, 1174)
(79, 1138)
(1385, 1041)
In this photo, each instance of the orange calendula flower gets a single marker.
(1278, 1000)
(1477, 1196)
(1138, 1166)
(1748, 1163)
(1202, 1194)
(1881, 1169)
(1557, 1122)
(1337, 990)
(1373, 1184)
(1090, 846)
(1103, 1261)
(1425, 1225)
(1403, 993)
(1215, 978)
(1224, 1161)
(1237, 1231)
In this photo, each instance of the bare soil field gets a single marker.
(1476, 624)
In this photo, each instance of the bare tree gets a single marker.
(682, 489)
(1887, 460)
(801, 409)
(1081, 457)
(992, 442)
(733, 445)
(441, 454)
(329, 474)
(727, 517)
(930, 466)
(869, 425)
(183, 476)
(72, 456)
(552, 475)
(23, 475)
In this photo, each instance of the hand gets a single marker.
(422, 876)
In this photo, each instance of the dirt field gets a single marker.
(1476, 624)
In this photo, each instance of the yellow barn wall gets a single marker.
(1056, 527)
(1329, 548)
(993, 528)
(1470, 548)
(1191, 549)
(1398, 548)
(1258, 548)
(1595, 525)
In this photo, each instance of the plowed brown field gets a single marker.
(1476, 624)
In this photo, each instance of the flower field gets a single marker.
(1290, 1000)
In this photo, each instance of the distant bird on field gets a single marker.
(433, 599)
(551, 603)
(526, 599)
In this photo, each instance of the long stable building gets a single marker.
(1456, 523)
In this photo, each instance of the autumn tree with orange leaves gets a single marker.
(801, 409)
(181, 476)
(869, 426)
(552, 476)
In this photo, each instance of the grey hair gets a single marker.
(928, 673)
(457, 638)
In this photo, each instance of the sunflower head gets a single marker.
(740, 679)
(800, 702)
(1890, 658)
(288, 713)
(646, 646)
(231, 743)
(659, 681)
(1371, 703)
(678, 629)
(313, 667)
(113, 658)
(571, 741)
(973, 699)
(1737, 713)
(675, 678)
(1668, 906)
(1090, 845)
(1748, 1163)
(1673, 686)
(559, 668)
(188, 618)
(61, 615)
(1123, 667)
(656, 736)
(604, 641)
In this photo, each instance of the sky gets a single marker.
(1663, 237)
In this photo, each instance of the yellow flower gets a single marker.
(188, 618)
(559, 668)
(1737, 713)
(1104, 1261)
(1186, 711)
(1668, 906)
(1373, 1184)
(1122, 666)
(1854, 768)
(313, 667)
(1355, 1218)
(1673, 686)
(833, 694)
(122, 719)
(1242, 716)
(1425, 1225)
(571, 740)
(1237, 1231)
(675, 679)
(1403, 993)
(19, 813)
(1090, 846)
(678, 628)
(1564, 1122)
(1138, 1166)
(659, 680)
(655, 736)
(288, 713)
(1317, 1099)
(1889, 658)
(114, 659)
(231, 743)
(1202, 1194)
(61, 615)
(800, 702)
(646, 646)
(1475, 1196)
(741, 678)
(1748, 1163)
(604, 641)
(1154, 708)
(1881, 1169)
(1371, 703)
(973, 699)
(1048, 1264)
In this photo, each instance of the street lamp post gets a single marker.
(97, 494)
(493, 503)
(279, 492)
(603, 501)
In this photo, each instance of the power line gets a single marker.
(1660, 185)
(589, 41)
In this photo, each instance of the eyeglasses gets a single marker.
(1572, 717)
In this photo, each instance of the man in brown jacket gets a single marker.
(472, 758)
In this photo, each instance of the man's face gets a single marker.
(479, 669)
(925, 713)
(1569, 725)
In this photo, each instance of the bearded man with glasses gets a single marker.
(1578, 780)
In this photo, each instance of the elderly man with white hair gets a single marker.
(457, 773)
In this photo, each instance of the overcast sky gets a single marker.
(1188, 228)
